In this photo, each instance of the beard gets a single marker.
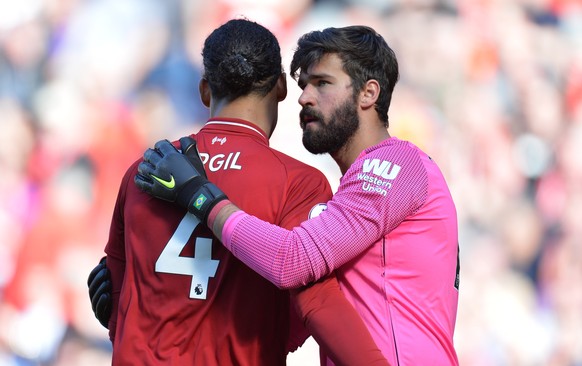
(331, 134)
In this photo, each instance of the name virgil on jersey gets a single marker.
(221, 161)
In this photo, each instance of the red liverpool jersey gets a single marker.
(180, 297)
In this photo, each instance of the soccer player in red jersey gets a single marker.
(179, 297)
(390, 231)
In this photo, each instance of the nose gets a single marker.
(306, 97)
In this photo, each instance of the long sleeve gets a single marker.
(335, 324)
(116, 268)
(355, 218)
(115, 250)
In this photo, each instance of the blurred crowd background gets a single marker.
(491, 89)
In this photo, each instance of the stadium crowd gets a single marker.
(491, 89)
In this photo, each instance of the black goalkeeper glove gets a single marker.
(177, 177)
(99, 284)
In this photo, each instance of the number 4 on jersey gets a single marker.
(201, 267)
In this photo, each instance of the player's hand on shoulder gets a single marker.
(168, 174)
(99, 283)
(179, 177)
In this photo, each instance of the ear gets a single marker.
(281, 87)
(205, 93)
(369, 94)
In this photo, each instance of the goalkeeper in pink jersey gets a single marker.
(390, 231)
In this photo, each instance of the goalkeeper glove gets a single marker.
(99, 284)
(167, 174)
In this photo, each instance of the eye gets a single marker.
(322, 82)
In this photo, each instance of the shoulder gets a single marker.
(296, 168)
(303, 180)
(130, 173)
(398, 150)
(391, 168)
(390, 159)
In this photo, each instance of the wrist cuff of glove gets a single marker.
(214, 212)
(204, 199)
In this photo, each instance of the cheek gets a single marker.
(328, 102)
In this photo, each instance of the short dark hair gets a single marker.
(364, 53)
(241, 57)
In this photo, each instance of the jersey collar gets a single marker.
(236, 124)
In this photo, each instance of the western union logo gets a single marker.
(384, 169)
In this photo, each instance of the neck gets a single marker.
(366, 136)
(261, 111)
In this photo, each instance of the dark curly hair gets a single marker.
(241, 57)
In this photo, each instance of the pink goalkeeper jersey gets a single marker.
(390, 232)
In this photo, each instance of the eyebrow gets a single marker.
(319, 76)
(303, 80)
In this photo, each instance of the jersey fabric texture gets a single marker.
(181, 298)
(390, 233)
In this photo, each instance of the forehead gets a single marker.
(329, 65)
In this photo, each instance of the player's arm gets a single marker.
(354, 220)
(324, 311)
(115, 250)
(167, 174)
(102, 285)
(117, 270)
(335, 325)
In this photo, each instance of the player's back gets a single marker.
(185, 298)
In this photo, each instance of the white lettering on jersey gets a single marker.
(386, 169)
(317, 209)
(370, 188)
(375, 181)
(221, 161)
(379, 169)
(218, 139)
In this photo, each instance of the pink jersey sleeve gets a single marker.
(382, 187)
